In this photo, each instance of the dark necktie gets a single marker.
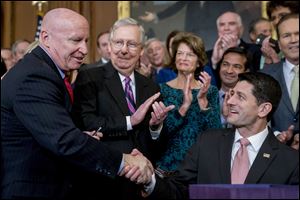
(241, 163)
(69, 88)
(129, 96)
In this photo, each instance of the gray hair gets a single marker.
(238, 17)
(15, 45)
(149, 41)
(128, 22)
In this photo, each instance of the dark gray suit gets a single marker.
(285, 114)
(100, 101)
(40, 144)
(208, 162)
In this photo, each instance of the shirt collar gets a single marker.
(255, 140)
(61, 72)
(289, 66)
(122, 77)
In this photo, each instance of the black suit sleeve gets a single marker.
(89, 94)
(40, 105)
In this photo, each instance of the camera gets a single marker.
(260, 38)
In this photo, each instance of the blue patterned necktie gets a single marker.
(129, 96)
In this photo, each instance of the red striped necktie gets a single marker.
(69, 88)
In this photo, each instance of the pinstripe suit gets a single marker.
(285, 114)
(39, 141)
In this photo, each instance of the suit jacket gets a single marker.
(39, 141)
(99, 101)
(88, 66)
(208, 162)
(285, 115)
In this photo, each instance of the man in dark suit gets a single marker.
(286, 117)
(211, 159)
(40, 144)
(230, 30)
(102, 101)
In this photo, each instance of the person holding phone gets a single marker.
(196, 101)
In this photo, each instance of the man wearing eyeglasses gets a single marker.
(117, 100)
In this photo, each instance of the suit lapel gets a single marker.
(113, 84)
(225, 154)
(285, 94)
(43, 56)
(140, 90)
(267, 153)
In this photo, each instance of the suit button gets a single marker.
(295, 119)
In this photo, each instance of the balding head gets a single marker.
(64, 35)
(61, 18)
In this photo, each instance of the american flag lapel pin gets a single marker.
(266, 155)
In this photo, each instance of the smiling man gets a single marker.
(211, 160)
(286, 118)
(40, 145)
(234, 61)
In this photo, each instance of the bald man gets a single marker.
(40, 145)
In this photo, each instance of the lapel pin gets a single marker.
(266, 155)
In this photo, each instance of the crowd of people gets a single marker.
(148, 119)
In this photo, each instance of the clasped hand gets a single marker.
(137, 167)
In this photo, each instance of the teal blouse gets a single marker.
(183, 131)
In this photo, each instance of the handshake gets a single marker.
(137, 168)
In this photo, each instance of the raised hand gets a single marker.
(222, 44)
(295, 143)
(141, 112)
(268, 51)
(159, 114)
(205, 80)
(225, 107)
(285, 136)
(187, 95)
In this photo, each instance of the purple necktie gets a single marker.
(129, 96)
(241, 163)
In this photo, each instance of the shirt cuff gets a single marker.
(148, 189)
(155, 134)
(128, 123)
(276, 133)
(121, 166)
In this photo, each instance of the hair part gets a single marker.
(265, 89)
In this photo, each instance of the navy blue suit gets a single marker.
(40, 144)
(284, 115)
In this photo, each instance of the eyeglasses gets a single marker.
(131, 45)
(189, 55)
